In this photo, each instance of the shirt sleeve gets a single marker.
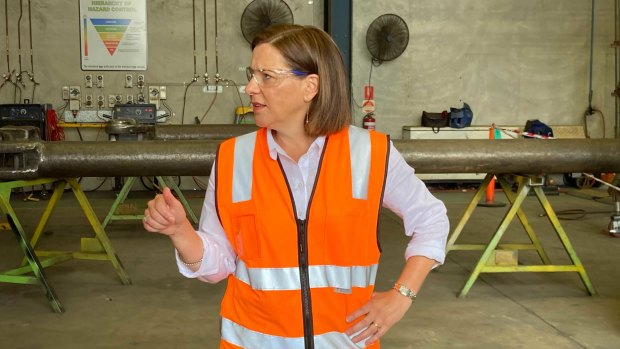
(424, 216)
(218, 259)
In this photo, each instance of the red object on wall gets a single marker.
(53, 131)
(369, 121)
(369, 92)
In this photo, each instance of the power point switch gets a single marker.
(99, 81)
(140, 80)
(128, 81)
(88, 80)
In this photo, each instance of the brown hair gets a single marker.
(310, 49)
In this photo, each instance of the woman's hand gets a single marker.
(383, 310)
(164, 214)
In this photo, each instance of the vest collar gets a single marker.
(275, 149)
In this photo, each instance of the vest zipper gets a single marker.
(302, 238)
(302, 253)
(304, 277)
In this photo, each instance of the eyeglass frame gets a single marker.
(283, 73)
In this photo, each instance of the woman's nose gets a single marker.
(252, 87)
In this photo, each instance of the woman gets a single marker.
(290, 215)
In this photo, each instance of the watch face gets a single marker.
(406, 292)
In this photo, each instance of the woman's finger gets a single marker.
(380, 331)
(373, 331)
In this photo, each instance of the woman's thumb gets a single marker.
(170, 200)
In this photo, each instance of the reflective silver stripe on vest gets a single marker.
(359, 143)
(243, 337)
(286, 279)
(242, 167)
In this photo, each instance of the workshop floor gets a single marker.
(161, 309)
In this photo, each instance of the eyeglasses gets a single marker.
(271, 77)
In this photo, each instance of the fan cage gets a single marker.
(387, 37)
(260, 14)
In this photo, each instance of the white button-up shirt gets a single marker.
(424, 216)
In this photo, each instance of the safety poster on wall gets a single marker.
(113, 34)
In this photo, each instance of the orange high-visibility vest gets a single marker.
(296, 280)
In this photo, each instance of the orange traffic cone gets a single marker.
(490, 190)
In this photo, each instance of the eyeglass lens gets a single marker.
(249, 72)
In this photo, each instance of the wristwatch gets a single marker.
(405, 291)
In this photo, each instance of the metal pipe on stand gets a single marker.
(126, 126)
(36, 159)
(200, 132)
(525, 156)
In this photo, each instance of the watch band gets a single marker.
(405, 291)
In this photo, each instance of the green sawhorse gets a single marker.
(34, 266)
(97, 248)
(486, 262)
(122, 195)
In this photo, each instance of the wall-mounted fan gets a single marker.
(259, 14)
(387, 38)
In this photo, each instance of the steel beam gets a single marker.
(200, 132)
(527, 156)
(38, 159)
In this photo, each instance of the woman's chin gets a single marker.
(260, 122)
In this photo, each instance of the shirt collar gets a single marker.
(274, 147)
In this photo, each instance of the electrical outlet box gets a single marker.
(141, 80)
(129, 99)
(88, 80)
(75, 98)
(118, 99)
(99, 81)
(141, 99)
(128, 81)
(74, 105)
(75, 92)
(111, 101)
(154, 95)
(88, 101)
(162, 92)
(100, 101)
(65, 93)
(213, 89)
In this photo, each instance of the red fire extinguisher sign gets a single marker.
(369, 92)
(368, 105)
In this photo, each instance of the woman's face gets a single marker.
(276, 92)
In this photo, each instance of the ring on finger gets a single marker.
(376, 325)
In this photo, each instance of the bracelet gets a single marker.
(405, 291)
(193, 263)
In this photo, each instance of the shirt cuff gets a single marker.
(438, 254)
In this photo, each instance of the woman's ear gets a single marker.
(311, 88)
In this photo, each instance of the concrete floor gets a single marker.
(161, 309)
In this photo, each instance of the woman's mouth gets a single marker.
(257, 106)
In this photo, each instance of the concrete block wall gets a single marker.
(509, 60)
